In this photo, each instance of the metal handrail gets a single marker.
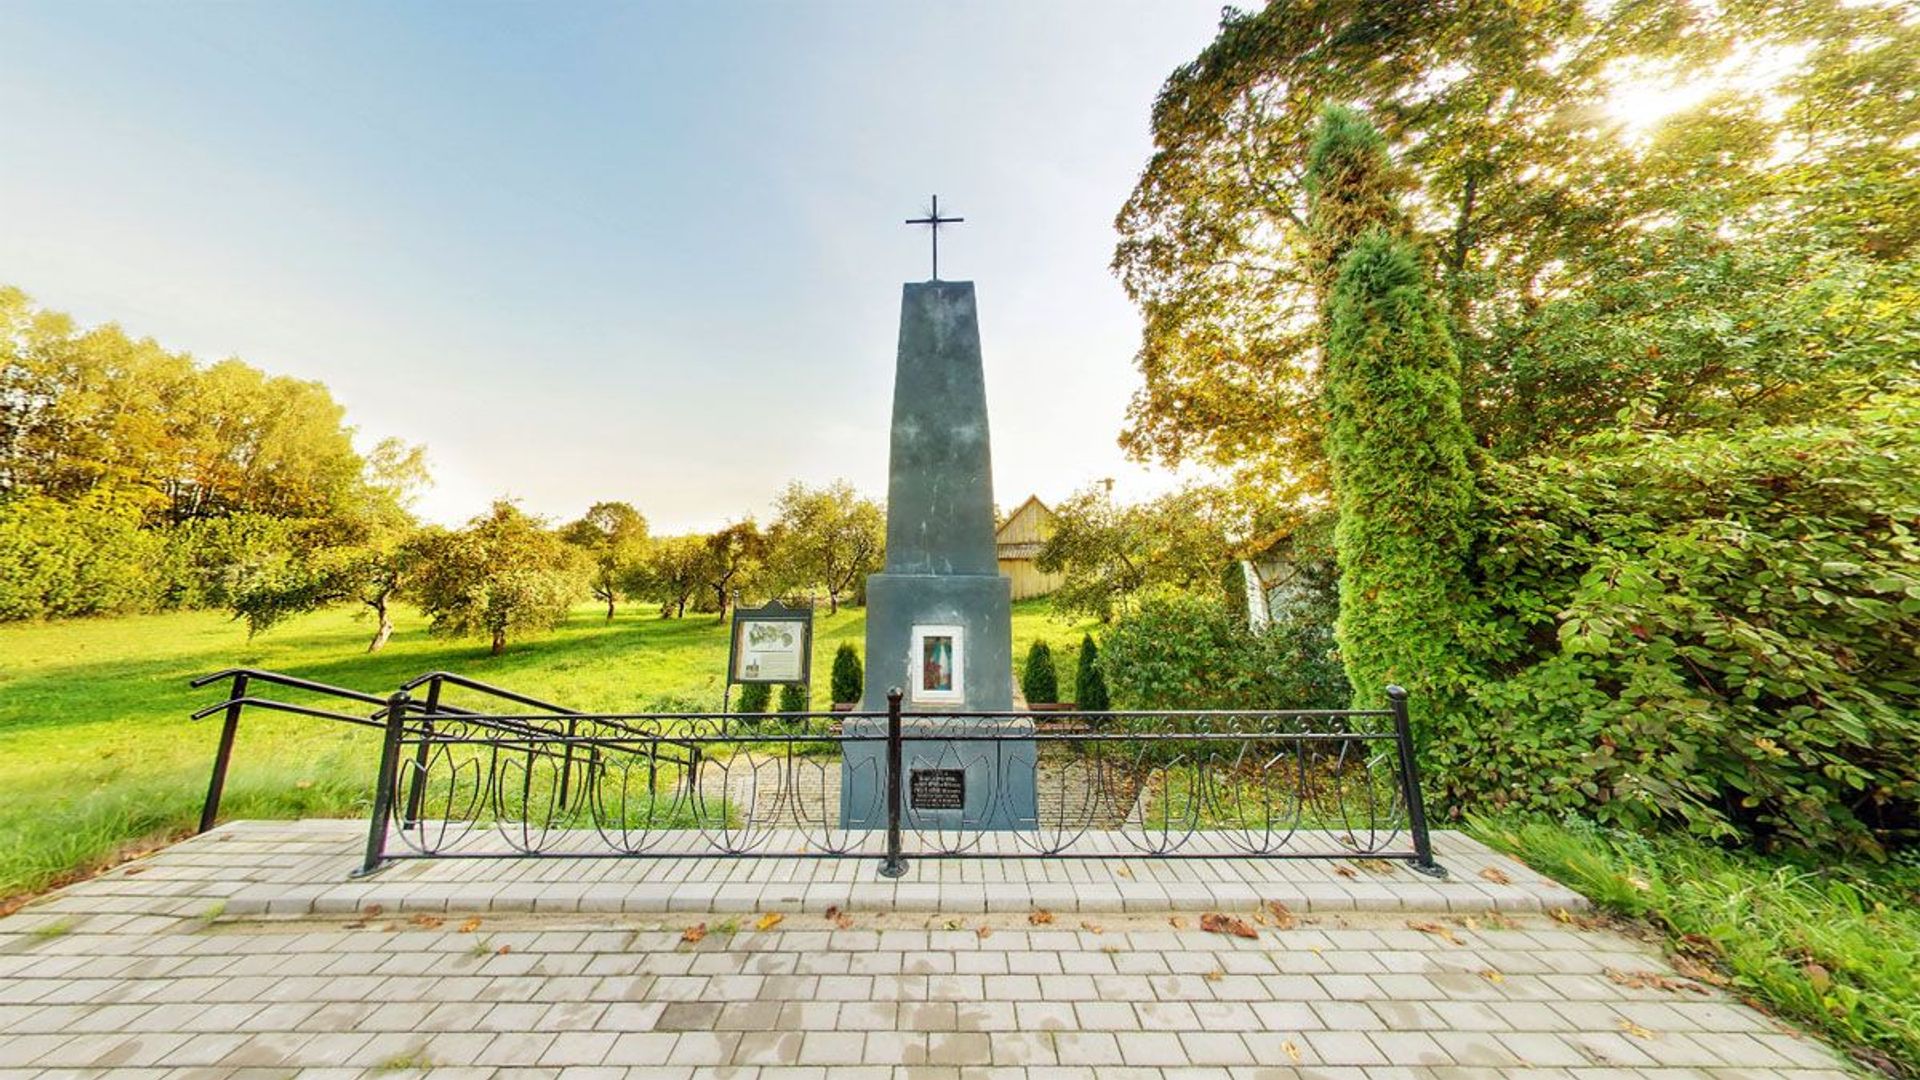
(272, 705)
(237, 702)
(289, 681)
(480, 687)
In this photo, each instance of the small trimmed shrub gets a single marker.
(848, 679)
(1089, 686)
(793, 697)
(1038, 680)
(753, 698)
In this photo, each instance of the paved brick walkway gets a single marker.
(303, 868)
(144, 973)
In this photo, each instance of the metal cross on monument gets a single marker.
(933, 221)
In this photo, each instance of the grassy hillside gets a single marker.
(96, 750)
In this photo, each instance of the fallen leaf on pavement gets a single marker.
(694, 932)
(372, 910)
(1496, 875)
(984, 931)
(1283, 918)
(1653, 980)
(1177, 923)
(1493, 976)
(470, 925)
(1040, 918)
(1093, 927)
(1634, 1029)
(768, 921)
(1695, 969)
(1436, 930)
(427, 922)
(1216, 975)
(1292, 1050)
(504, 950)
(1346, 871)
(1215, 923)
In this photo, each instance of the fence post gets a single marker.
(894, 865)
(417, 782)
(211, 808)
(1410, 779)
(566, 763)
(383, 792)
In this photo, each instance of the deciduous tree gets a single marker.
(732, 557)
(504, 573)
(671, 573)
(827, 536)
(1109, 552)
(614, 537)
(1591, 271)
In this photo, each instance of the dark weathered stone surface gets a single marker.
(941, 569)
(940, 468)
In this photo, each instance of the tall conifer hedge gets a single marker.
(1399, 451)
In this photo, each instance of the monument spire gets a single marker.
(933, 221)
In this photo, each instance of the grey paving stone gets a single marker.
(595, 989)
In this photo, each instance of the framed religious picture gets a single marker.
(771, 644)
(937, 666)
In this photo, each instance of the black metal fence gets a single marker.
(456, 781)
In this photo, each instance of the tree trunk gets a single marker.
(609, 599)
(681, 611)
(499, 642)
(384, 630)
(833, 602)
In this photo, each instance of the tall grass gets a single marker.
(1835, 947)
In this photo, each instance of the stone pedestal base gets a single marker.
(945, 762)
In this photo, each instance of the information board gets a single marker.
(771, 644)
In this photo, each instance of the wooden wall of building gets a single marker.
(1018, 542)
(1027, 579)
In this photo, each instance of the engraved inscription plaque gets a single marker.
(937, 789)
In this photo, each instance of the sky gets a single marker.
(647, 252)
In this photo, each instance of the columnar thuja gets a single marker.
(1395, 439)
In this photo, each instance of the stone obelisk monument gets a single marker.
(939, 616)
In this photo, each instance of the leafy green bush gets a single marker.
(87, 557)
(1721, 630)
(848, 679)
(753, 697)
(211, 562)
(1089, 685)
(1039, 682)
(1185, 651)
(793, 698)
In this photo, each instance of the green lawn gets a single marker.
(96, 750)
